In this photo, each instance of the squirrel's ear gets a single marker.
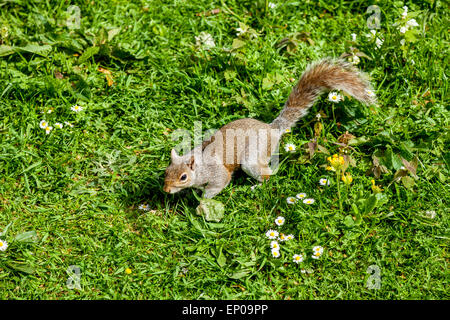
(174, 156)
(191, 163)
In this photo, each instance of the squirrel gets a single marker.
(249, 143)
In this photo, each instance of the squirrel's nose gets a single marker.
(166, 189)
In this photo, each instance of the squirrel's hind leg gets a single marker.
(260, 172)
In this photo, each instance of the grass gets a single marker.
(137, 72)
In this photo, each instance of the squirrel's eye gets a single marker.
(183, 177)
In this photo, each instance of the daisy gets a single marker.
(240, 32)
(3, 245)
(144, 207)
(430, 214)
(272, 234)
(205, 40)
(291, 200)
(297, 258)
(308, 201)
(279, 221)
(274, 245)
(324, 182)
(353, 36)
(48, 129)
(405, 12)
(276, 253)
(272, 5)
(289, 237)
(282, 237)
(290, 147)
(43, 124)
(317, 252)
(58, 125)
(68, 124)
(334, 97)
(288, 130)
(378, 43)
(402, 42)
(76, 108)
(412, 23)
(301, 196)
(403, 29)
(370, 92)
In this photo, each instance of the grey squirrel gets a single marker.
(250, 143)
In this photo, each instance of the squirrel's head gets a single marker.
(179, 174)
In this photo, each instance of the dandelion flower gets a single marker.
(290, 147)
(58, 125)
(48, 129)
(274, 245)
(279, 221)
(76, 108)
(3, 245)
(291, 200)
(334, 97)
(301, 196)
(336, 161)
(43, 124)
(317, 252)
(324, 182)
(308, 201)
(272, 234)
(297, 258)
(275, 253)
(127, 270)
(347, 178)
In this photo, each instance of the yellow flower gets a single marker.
(347, 178)
(336, 162)
(376, 189)
(127, 270)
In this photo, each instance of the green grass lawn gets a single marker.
(142, 69)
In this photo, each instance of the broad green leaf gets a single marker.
(29, 236)
(211, 210)
(21, 267)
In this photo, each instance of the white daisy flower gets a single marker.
(276, 253)
(279, 221)
(412, 23)
(49, 110)
(43, 124)
(430, 214)
(289, 147)
(289, 237)
(301, 195)
(308, 201)
(76, 108)
(205, 40)
(354, 59)
(372, 34)
(3, 245)
(402, 42)
(291, 200)
(144, 207)
(48, 129)
(68, 124)
(272, 234)
(403, 29)
(274, 245)
(240, 32)
(324, 182)
(353, 36)
(334, 97)
(370, 93)
(282, 237)
(287, 130)
(317, 252)
(379, 42)
(58, 125)
(297, 258)
(405, 12)
(272, 5)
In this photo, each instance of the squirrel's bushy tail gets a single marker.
(324, 75)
